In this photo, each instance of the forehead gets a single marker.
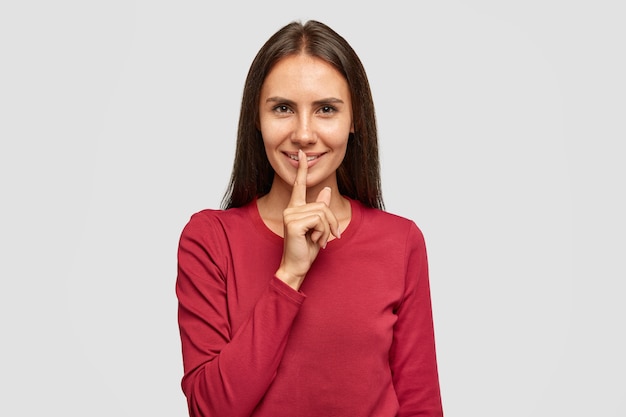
(304, 72)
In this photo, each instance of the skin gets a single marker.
(305, 112)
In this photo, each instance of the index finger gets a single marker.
(298, 192)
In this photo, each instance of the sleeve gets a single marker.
(225, 374)
(412, 355)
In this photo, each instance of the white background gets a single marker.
(501, 133)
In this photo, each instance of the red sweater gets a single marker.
(356, 340)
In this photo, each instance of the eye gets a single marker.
(281, 108)
(328, 109)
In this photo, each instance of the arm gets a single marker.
(226, 374)
(412, 354)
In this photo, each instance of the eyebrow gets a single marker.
(329, 100)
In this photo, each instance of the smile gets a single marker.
(308, 158)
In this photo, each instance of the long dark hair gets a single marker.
(358, 176)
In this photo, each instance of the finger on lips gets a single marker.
(326, 221)
(298, 193)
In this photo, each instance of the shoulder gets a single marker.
(209, 224)
(206, 218)
(209, 216)
(389, 222)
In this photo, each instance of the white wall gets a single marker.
(500, 125)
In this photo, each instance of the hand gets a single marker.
(307, 228)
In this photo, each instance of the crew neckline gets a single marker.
(346, 235)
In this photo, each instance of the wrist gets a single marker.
(289, 278)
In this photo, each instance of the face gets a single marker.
(305, 104)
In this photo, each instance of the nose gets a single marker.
(303, 133)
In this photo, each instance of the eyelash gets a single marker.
(328, 109)
(282, 108)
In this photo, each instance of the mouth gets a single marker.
(309, 158)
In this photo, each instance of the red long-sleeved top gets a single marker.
(356, 340)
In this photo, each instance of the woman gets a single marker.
(302, 297)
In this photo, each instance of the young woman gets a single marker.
(302, 297)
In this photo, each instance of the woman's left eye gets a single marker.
(327, 109)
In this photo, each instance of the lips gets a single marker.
(309, 157)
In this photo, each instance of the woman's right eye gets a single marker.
(281, 108)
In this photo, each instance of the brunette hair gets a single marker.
(358, 176)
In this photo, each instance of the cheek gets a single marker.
(338, 138)
(271, 143)
(270, 153)
(337, 134)
(272, 133)
(268, 139)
